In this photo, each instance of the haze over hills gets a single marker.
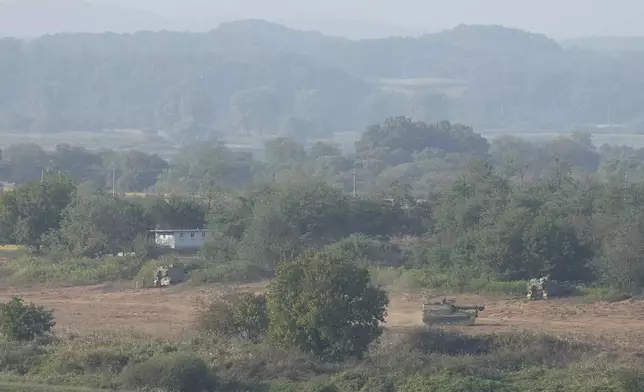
(609, 44)
(258, 78)
(33, 18)
(355, 19)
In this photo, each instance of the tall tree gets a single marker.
(97, 224)
(31, 210)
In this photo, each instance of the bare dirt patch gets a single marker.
(170, 311)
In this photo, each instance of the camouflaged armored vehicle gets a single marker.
(446, 312)
(167, 275)
(544, 288)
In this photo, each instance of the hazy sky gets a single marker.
(556, 18)
(355, 18)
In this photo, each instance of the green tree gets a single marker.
(28, 160)
(78, 162)
(33, 209)
(99, 224)
(202, 166)
(288, 218)
(173, 373)
(177, 213)
(621, 258)
(22, 322)
(325, 305)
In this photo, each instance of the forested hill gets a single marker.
(252, 77)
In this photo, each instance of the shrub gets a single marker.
(22, 322)
(325, 305)
(243, 315)
(233, 272)
(19, 358)
(172, 373)
(94, 361)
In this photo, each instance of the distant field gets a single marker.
(134, 139)
(449, 87)
(635, 141)
(117, 139)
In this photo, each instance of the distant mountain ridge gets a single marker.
(257, 77)
(71, 16)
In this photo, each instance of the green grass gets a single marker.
(420, 280)
(603, 294)
(32, 269)
(6, 386)
(414, 361)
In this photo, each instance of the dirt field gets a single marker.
(170, 311)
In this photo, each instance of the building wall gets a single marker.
(182, 240)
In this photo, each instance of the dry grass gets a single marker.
(170, 312)
(11, 248)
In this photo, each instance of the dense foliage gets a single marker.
(235, 315)
(325, 305)
(435, 199)
(450, 210)
(24, 322)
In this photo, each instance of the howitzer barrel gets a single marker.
(479, 308)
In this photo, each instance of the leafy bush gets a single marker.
(172, 373)
(243, 315)
(102, 360)
(22, 322)
(367, 251)
(325, 305)
(19, 358)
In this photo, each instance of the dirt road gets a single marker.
(170, 311)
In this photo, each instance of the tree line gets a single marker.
(499, 215)
(417, 154)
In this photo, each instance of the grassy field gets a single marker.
(133, 139)
(27, 387)
(635, 141)
(116, 139)
(10, 248)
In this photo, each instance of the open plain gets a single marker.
(170, 312)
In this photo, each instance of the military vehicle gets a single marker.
(446, 312)
(544, 288)
(167, 275)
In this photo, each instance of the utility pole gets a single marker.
(113, 182)
(354, 182)
(42, 175)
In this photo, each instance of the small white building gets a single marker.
(181, 239)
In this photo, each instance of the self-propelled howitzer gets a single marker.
(448, 313)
